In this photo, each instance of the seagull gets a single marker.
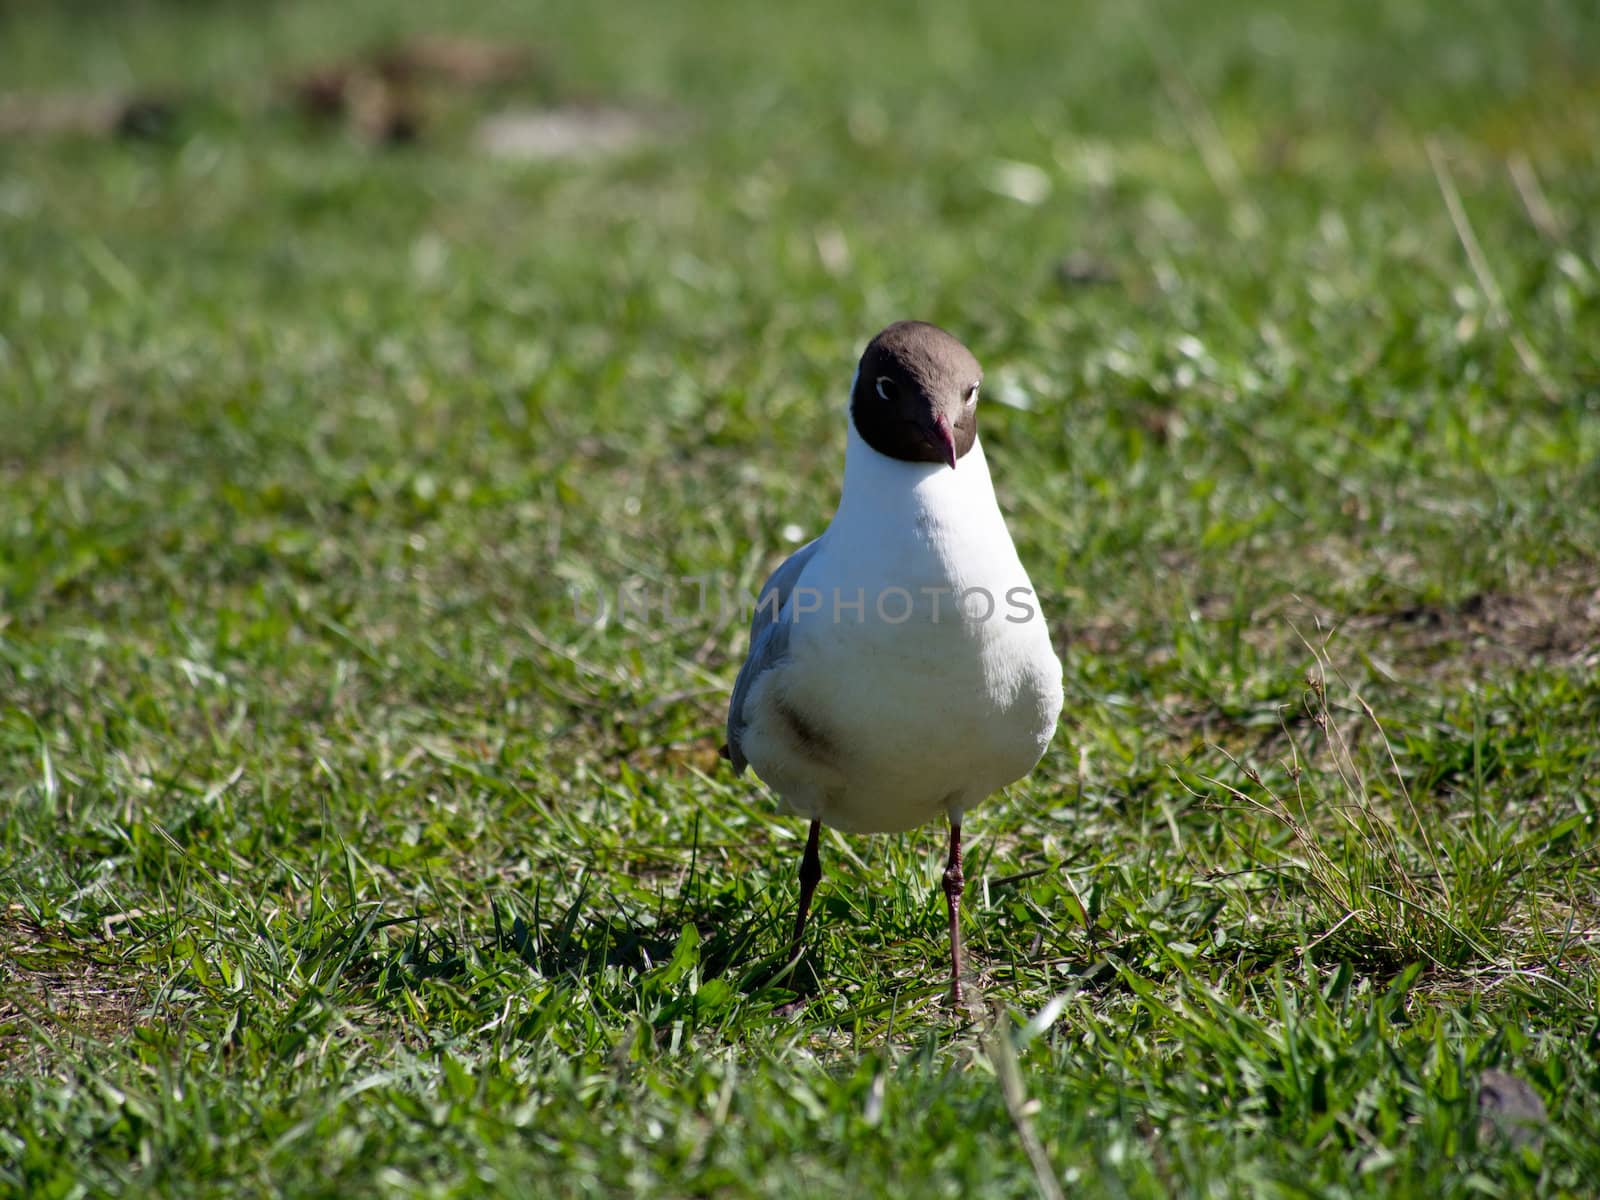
(900, 667)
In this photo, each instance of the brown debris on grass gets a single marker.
(387, 95)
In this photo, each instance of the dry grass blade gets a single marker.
(1531, 193)
(1021, 1109)
(1381, 875)
(1487, 284)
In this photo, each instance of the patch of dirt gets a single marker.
(1101, 636)
(1553, 621)
(136, 117)
(1556, 625)
(53, 992)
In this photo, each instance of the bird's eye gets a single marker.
(885, 388)
(972, 395)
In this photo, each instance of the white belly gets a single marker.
(932, 721)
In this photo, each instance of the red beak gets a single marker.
(944, 438)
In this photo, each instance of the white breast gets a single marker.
(920, 676)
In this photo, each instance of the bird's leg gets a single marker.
(810, 873)
(954, 883)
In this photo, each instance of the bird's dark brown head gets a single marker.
(916, 394)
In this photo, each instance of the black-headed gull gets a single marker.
(900, 667)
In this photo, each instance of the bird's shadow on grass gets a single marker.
(732, 933)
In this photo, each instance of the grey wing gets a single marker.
(769, 642)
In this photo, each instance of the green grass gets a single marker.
(340, 856)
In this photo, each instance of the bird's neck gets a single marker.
(881, 487)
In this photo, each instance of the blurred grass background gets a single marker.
(339, 853)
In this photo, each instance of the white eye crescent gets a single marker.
(885, 387)
(972, 394)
